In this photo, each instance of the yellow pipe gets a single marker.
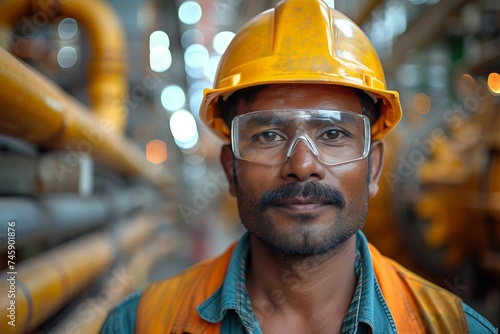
(12, 10)
(90, 314)
(108, 83)
(31, 107)
(36, 110)
(107, 68)
(48, 281)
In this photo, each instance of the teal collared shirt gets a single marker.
(368, 312)
(231, 303)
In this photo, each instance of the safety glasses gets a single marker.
(270, 137)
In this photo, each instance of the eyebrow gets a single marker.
(265, 120)
(273, 120)
(336, 121)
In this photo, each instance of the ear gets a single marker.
(376, 163)
(227, 161)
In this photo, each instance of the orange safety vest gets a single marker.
(416, 305)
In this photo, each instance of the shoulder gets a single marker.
(391, 273)
(207, 271)
(122, 318)
(477, 323)
(442, 302)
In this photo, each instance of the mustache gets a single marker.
(313, 190)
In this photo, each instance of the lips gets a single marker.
(300, 201)
(300, 205)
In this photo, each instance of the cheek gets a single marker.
(351, 179)
(254, 180)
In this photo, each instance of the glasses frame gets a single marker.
(303, 137)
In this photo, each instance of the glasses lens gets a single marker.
(270, 137)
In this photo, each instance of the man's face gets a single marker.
(302, 206)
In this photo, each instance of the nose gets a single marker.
(302, 163)
(306, 140)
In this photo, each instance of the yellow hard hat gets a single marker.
(300, 41)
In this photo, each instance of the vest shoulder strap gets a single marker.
(417, 305)
(169, 306)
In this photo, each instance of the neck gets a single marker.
(310, 286)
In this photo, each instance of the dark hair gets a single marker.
(229, 107)
(370, 108)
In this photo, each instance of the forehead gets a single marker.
(302, 96)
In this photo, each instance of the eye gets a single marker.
(333, 134)
(269, 136)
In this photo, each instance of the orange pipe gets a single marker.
(36, 110)
(108, 84)
(48, 281)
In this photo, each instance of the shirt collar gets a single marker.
(232, 295)
(373, 310)
(370, 308)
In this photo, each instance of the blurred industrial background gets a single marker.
(109, 181)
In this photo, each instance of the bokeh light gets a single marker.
(183, 128)
(422, 103)
(173, 98)
(67, 28)
(160, 57)
(494, 83)
(190, 12)
(192, 36)
(67, 57)
(194, 166)
(222, 40)
(157, 39)
(156, 151)
(196, 56)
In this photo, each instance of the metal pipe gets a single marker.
(36, 110)
(46, 282)
(59, 215)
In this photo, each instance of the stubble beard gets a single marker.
(308, 235)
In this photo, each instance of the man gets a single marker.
(300, 95)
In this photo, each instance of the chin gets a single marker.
(305, 243)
